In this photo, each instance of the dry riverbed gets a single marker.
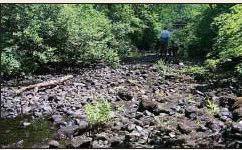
(150, 110)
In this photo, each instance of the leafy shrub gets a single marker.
(90, 34)
(98, 113)
(194, 70)
(199, 33)
(111, 57)
(31, 40)
(228, 47)
(9, 63)
(41, 33)
(125, 24)
(211, 64)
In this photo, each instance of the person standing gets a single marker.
(173, 49)
(164, 39)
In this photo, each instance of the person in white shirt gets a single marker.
(164, 38)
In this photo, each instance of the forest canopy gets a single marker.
(34, 35)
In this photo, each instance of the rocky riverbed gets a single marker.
(150, 110)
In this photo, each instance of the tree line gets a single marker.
(34, 35)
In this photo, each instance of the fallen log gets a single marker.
(43, 84)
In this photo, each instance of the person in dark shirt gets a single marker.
(173, 49)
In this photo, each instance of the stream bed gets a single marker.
(151, 110)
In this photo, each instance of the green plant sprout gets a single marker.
(98, 113)
(212, 107)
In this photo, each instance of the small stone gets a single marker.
(224, 118)
(81, 142)
(139, 128)
(139, 115)
(53, 98)
(237, 113)
(117, 141)
(125, 95)
(26, 110)
(37, 114)
(240, 122)
(101, 136)
(184, 128)
(181, 102)
(138, 122)
(70, 112)
(53, 144)
(147, 104)
(172, 90)
(70, 123)
(237, 127)
(181, 64)
(214, 125)
(100, 144)
(116, 125)
(133, 136)
(19, 144)
(83, 125)
(225, 112)
(79, 84)
(29, 96)
(190, 109)
(148, 113)
(26, 124)
(124, 120)
(199, 92)
(201, 128)
(210, 94)
(178, 108)
(69, 131)
(190, 112)
(95, 144)
(193, 116)
(162, 108)
(142, 140)
(172, 134)
(56, 118)
(131, 127)
(47, 108)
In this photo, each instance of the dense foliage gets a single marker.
(228, 45)
(34, 35)
(38, 34)
(214, 33)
